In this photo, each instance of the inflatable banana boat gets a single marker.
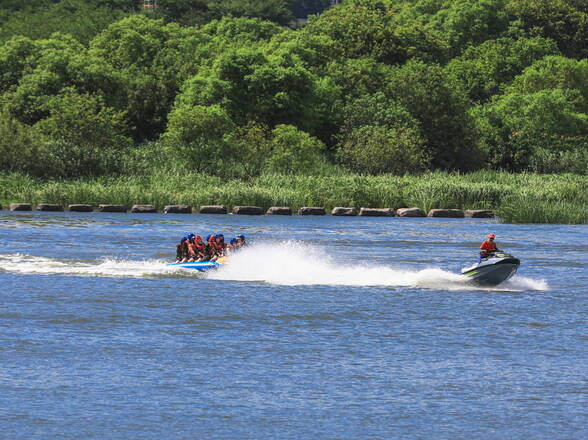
(202, 266)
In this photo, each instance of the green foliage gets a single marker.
(564, 21)
(376, 149)
(483, 70)
(55, 64)
(144, 53)
(379, 86)
(380, 136)
(15, 58)
(251, 86)
(19, 146)
(271, 10)
(442, 113)
(80, 18)
(84, 137)
(517, 198)
(359, 76)
(185, 12)
(466, 23)
(556, 73)
(516, 125)
(294, 152)
(198, 139)
(368, 28)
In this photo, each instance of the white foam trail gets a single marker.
(294, 263)
(106, 267)
(518, 283)
(288, 263)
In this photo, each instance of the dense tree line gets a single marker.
(226, 87)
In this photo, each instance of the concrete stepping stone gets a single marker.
(21, 207)
(279, 210)
(112, 208)
(143, 209)
(49, 207)
(213, 209)
(479, 213)
(344, 212)
(446, 213)
(247, 210)
(410, 212)
(312, 210)
(78, 207)
(177, 209)
(376, 212)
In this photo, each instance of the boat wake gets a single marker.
(295, 263)
(105, 267)
(288, 263)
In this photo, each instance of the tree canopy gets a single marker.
(238, 88)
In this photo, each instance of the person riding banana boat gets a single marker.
(192, 248)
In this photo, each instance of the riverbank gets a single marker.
(515, 198)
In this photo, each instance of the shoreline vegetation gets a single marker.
(515, 198)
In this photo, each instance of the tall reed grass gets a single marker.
(517, 198)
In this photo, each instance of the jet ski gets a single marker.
(201, 266)
(491, 271)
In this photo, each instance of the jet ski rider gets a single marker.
(488, 247)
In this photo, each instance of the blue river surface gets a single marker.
(323, 328)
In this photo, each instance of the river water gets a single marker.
(324, 328)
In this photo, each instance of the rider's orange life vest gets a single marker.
(488, 247)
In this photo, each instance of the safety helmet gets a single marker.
(233, 241)
(491, 236)
(242, 237)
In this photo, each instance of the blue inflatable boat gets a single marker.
(201, 266)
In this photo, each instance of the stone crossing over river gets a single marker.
(258, 210)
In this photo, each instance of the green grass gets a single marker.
(517, 198)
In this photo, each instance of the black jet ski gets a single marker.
(493, 270)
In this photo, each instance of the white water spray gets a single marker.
(295, 263)
(106, 267)
(288, 263)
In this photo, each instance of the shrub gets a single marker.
(379, 149)
(294, 151)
